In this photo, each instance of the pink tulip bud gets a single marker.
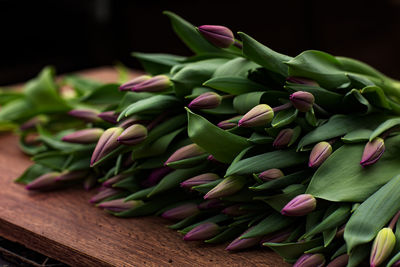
(204, 178)
(133, 135)
(107, 143)
(87, 115)
(319, 154)
(260, 115)
(207, 100)
(181, 212)
(132, 83)
(226, 187)
(44, 182)
(310, 260)
(109, 116)
(340, 261)
(155, 84)
(219, 36)
(271, 174)
(185, 152)
(283, 138)
(201, 232)
(243, 243)
(373, 151)
(119, 205)
(85, 136)
(229, 123)
(302, 101)
(300, 205)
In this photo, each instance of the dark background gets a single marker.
(78, 34)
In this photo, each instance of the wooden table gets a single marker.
(65, 226)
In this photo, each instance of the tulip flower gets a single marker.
(32, 123)
(219, 36)
(229, 123)
(340, 261)
(243, 243)
(302, 101)
(226, 187)
(155, 84)
(200, 179)
(85, 136)
(133, 135)
(87, 115)
(310, 260)
(211, 204)
(115, 179)
(283, 138)
(181, 212)
(373, 151)
(107, 143)
(207, 100)
(103, 194)
(72, 175)
(277, 237)
(234, 210)
(203, 231)
(44, 182)
(260, 115)
(300, 205)
(319, 154)
(109, 116)
(119, 205)
(135, 81)
(189, 151)
(382, 247)
(271, 174)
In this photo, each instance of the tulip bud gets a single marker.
(156, 175)
(211, 204)
(300, 205)
(310, 260)
(204, 178)
(86, 136)
(383, 245)
(260, 115)
(71, 175)
(219, 36)
(113, 180)
(135, 81)
(133, 135)
(240, 244)
(181, 212)
(302, 101)
(44, 182)
(340, 261)
(129, 122)
(119, 205)
(103, 194)
(340, 231)
(89, 182)
(186, 152)
(109, 116)
(271, 174)
(373, 151)
(207, 100)
(107, 143)
(202, 232)
(87, 115)
(32, 123)
(283, 138)
(229, 123)
(276, 237)
(319, 154)
(300, 80)
(155, 84)
(234, 210)
(396, 264)
(226, 187)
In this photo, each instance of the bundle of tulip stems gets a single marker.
(236, 144)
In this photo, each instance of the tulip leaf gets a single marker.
(376, 96)
(223, 145)
(108, 94)
(51, 159)
(394, 259)
(156, 63)
(233, 85)
(226, 235)
(187, 163)
(257, 138)
(373, 214)
(357, 136)
(284, 117)
(238, 67)
(356, 101)
(358, 255)
(141, 194)
(328, 236)
(264, 56)
(291, 251)
(32, 173)
(271, 224)
(339, 125)
(244, 102)
(384, 127)
(275, 159)
(190, 35)
(225, 108)
(351, 182)
(130, 98)
(81, 84)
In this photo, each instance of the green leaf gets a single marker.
(130, 98)
(52, 159)
(357, 136)
(141, 194)
(187, 163)
(373, 214)
(271, 224)
(234, 85)
(358, 255)
(394, 259)
(156, 63)
(81, 85)
(384, 127)
(226, 235)
(190, 35)
(237, 67)
(244, 102)
(108, 94)
(351, 182)
(284, 117)
(264, 56)
(275, 159)
(291, 251)
(328, 236)
(223, 145)
(376, 96)
(32, 173)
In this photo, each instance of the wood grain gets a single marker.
(65, 226)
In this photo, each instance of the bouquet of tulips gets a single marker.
(237, 144)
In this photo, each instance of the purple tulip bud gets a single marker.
(85, 136)
(207, 100)
(260, 115)
(283, 138)
(113, 180)
(131, 121)
(229, 123)
(234, 210)
(109, 116)
(155, 84)
(72, 175)
(226, 187)
(44, 182)
(119, 205)
(185, 152)
(201, 232)
(89, 182)
(396, 264)
(181, 212)
(133, 135)
(243, 243)
(32, 123)
(340, 261)
(300, 80)
(219, 36)
(319, 154)
(107, 143)
(103, 194)
(310, 260)
(382, 247)
(156, 175)
(373, 151)
(88, 115)
(300, 205)
(277, 237)
(204, 178)
(132, 83)
(271, 174)
(211, 204)
(302, 101)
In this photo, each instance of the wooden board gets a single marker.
(65, 226)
